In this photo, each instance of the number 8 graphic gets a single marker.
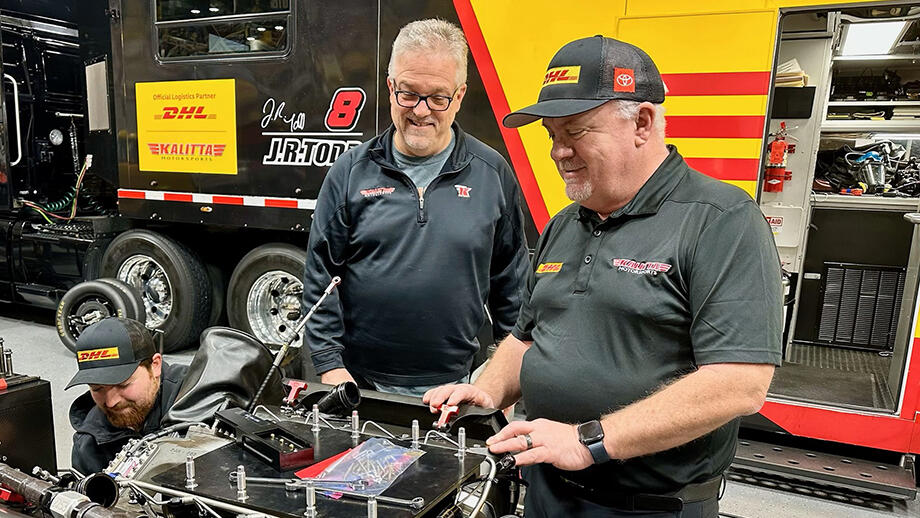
(345, 109)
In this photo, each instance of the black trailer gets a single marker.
(211, 124)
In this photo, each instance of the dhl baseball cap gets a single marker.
(587, 73)
(109, 351)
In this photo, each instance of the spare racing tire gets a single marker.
(84, 305)
(172, 280)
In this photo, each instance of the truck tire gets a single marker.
(84, 305)
(265, 292)
(172, 280)
(133, 297)
(218, 294)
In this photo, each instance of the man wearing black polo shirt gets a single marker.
(652, 312)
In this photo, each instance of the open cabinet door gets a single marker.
(906, 337)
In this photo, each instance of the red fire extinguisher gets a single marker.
(775, 168)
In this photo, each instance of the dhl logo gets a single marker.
(561, 75)
(108, 353)
(184, 112)
(549, 268)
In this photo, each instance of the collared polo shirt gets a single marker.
(685, 274)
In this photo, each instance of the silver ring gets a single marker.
(527, 439)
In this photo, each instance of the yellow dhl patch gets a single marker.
(561, 75)
(108, 353)
(549, 268)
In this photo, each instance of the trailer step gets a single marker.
(833, 470)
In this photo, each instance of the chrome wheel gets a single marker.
(145, 274)
(273, 306)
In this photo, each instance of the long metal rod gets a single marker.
(279, 356)
(182, 494)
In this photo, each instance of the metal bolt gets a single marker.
(372, 507)
(415, 433)
(355, 424)
(461, 439)
(7, 361)
(310, 493)
(190, 472)
(315, 418)
(241, 483)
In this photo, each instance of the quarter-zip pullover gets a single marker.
(416, 270)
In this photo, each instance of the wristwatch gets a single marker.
(591, 434)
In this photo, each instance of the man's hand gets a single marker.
(552, 442)
(456, 394)
(335, 377)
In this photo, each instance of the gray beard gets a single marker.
(579, 192)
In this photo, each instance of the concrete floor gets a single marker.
(37, 351)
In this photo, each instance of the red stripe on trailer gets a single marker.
(133, 195)
(714, 126)
(174, 196)
(287, 204)
(726, 168)
(227, 200)
(718, 83)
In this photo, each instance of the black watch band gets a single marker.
(591, 434)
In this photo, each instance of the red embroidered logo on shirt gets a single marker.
(377, 191)
(463, 191)
(641, 268)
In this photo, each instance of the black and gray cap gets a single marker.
(586, 73)
(109, 351)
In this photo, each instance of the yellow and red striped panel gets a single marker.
(717, 68)
(706, 105)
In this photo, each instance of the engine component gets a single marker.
(340, 400)
(271, 442)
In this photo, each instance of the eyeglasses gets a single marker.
(435, 103)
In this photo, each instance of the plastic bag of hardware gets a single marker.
(370, 468)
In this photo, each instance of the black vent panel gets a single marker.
(860, 305)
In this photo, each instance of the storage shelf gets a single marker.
(822, 200)
(870, 125)
(873, 103)
(878, 57)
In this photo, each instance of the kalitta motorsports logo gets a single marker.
(175, 151)
(640, 268)
(108, 353)
(377, 191)
(561, 75)
(549, 268)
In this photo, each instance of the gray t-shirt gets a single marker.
(423, 169)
